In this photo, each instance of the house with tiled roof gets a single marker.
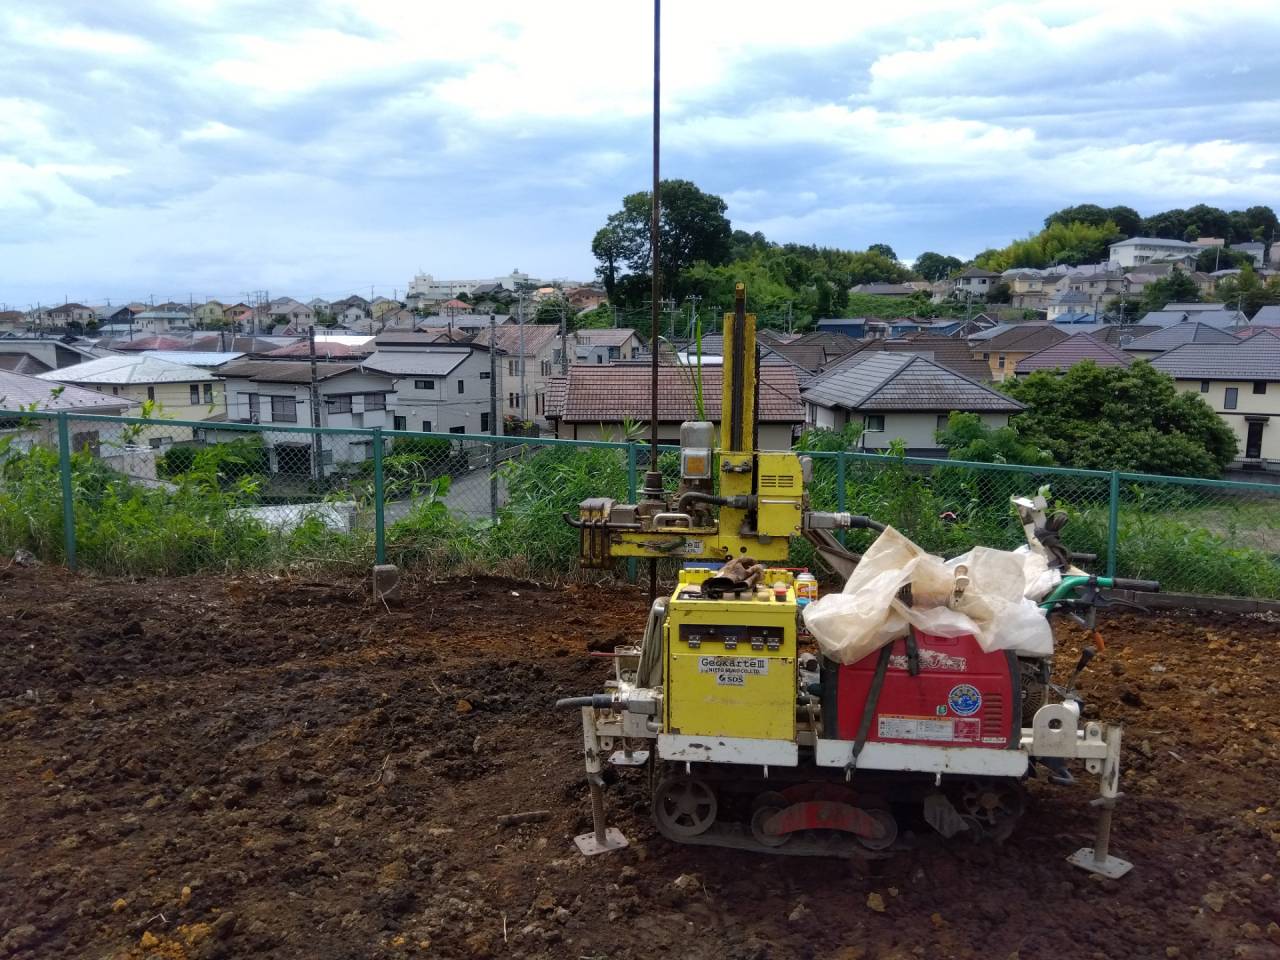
(951, 353)
(900, 396)
(1241, 382)
(1163, 339)
(607, 345)
(1064, 355)
(974, 283)
(178, 391)
(1003, 351)
(538, 346)
(599, 401)
(440, 387)
(813, 351)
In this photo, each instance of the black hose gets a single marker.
(599, 700)
(859, 522)
(695, 496)
(1141, 586)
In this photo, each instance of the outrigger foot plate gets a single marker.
(589, 844)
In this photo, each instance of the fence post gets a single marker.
(1113, 523)
(841, 497)
(68, 505)
(379, 495)
(631, 498)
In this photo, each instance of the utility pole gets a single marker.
(564, 352)
(693, 313)
(524, 397)
(493, 416)
(317, 453)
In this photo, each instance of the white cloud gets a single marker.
(211, 130)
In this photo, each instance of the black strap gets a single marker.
(869, 708)
(913, 653)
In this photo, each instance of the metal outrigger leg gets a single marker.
(602, 838)
(1097, 859)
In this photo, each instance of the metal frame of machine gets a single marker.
(736, 723)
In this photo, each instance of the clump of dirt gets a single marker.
(205, 768)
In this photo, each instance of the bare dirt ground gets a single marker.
(215, 767)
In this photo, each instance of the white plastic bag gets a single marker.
(867, 614)
(995, 599)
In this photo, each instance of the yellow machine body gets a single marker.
(731, 664)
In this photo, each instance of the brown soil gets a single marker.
(215, 767)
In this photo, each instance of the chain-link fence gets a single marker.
(156, 496)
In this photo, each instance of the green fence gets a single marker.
(153, 496)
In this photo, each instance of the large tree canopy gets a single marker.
(1175, 288)
(1127, 220)
(1115, 418)
(936, 266)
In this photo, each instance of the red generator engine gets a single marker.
(935, 691)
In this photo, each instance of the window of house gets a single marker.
(484, 421)
(195, 394)
(399, 423)
(255, 407)
(873, 423)
(511, 368)
(338, 404)
(615, 353)
(424, 384)
(484, 375)
(1204, 386)
(151, 393)
(208, 393)
(1260, 386)
(1232, 398)
(986, 356)
(599, 358)
(375, 401)
(546, 368)
(284, 410)
(457, 429)
(426, 426)
(1000, 361)
(943, 421)
(461, 388)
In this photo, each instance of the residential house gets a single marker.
(278, 392)
(350, 310)
(1069, 303)
(1241, 382)
(974, 283)
(1164, 339)
(319, 306)
(1078, 348)
(585, 298)
(1003, 351)
(70, 313)
(326, 348)
(122, 314)
(855, 327)
(23, 363)
(240, 315)
(899, 397)
(1218, 317)
(162, 321)
(1136, 251)
(1254, 249)
(535, 347)
(53, 352)
(948, 352)
(607, 345)
(211, 313)
(600, 402)
(1030, 289)
(381, 306)
(179, 391)
(19, 392)
(204, 359)
(1099, 286)
(811, 352)
(441, 387)
(1267, 316)
(291, 315)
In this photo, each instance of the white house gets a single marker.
(974, 283)
(161, 321)
(1139, 250)
(898, 396)
(278, 392)
(606, 345)
(439, 387)
(542, 359)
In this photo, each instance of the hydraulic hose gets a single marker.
(597, 700)
(695, 496)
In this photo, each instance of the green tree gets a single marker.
(1175, 288)
(966, 437)
(1056, 243)
(692, 228)
(1117, 418)
(883, 249)
(553, 309)
(936, 266)
(1221, 258)
(1246, 291)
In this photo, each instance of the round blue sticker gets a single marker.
(964, 700)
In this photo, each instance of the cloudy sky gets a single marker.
(210, 147)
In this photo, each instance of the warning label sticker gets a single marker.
(915, 728)
(928, 728)
(733, 671)
(692, 548)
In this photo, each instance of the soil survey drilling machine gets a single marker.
(756, 741)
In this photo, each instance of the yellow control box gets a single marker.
(731, 663)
